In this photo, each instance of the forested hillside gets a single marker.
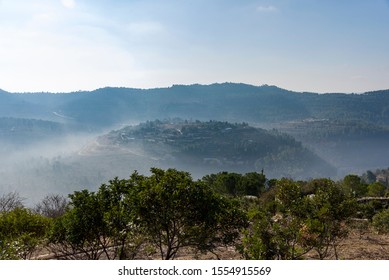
(225, 102)
(52, 139)
(219, 146)
(27, 131)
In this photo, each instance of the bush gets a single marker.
(21, 231)
(381, 221)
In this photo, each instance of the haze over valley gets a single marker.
(58, 143)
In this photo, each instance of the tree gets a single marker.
(253, 183)
(175, 212)
(21, 231)
(376, 189)
(258, 241)
(353, 186)
(126, 238)
(327, 211)
(81, 231)
(235, 184)
(296, 223)
(228, 183)
(52, 206)
(369, 177)
(292, 210)
(274, 231)
(10, 201)
(96, 225)
(381, 221)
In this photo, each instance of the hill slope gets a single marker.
(266, 105)
(204, 147)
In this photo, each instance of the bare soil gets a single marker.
(359, 245)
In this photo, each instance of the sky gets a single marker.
(301, 45)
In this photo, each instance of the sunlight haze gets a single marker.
(301, 45)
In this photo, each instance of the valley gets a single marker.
(66, 141)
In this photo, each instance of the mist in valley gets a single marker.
(43, 167)
(60, 143)
(71, 162)
(76, 161)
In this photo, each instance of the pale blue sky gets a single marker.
(302, 45)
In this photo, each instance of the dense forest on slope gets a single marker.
(227, 102)
(219, 146)
(26, 131)
(350, 145)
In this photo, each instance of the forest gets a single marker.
(169, 215)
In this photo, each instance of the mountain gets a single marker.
(228, 101)
(351, 129)
(25, 131)
(266, 105)
(348, 132)
(350, 145)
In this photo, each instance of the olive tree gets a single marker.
(328, 210)
(381, 221)
(298, 223)
(96, 225)
(175, 212)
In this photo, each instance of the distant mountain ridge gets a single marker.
(227, 102)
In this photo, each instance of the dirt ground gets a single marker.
(366, 246)
(359, 245)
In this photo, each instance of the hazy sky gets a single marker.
(302, 45)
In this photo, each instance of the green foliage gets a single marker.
(96, 225)
(353, 186)
(275, 234)
(167, 209)
(225, 183)
(81, 230)
(258, 241)
(176, 212)
(368, 209)
(376, 189)
(326, 213)
(297, 222)
(381, 221)
(235, 184)
(21, 231)
(253, 183)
